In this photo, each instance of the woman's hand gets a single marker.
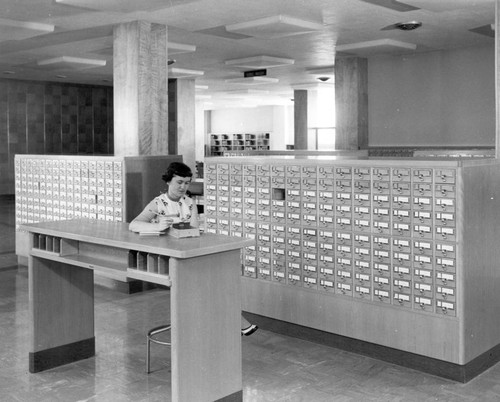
(164, 222)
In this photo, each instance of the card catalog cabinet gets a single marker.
(57, 189)
(107, 188)
(381, 240)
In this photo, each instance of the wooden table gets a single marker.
(204, 274)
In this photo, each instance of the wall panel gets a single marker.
(35, 133)
(52, 118)
(4, 136)
(52, 104)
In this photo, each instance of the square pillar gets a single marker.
(140, 85)
(351, 103)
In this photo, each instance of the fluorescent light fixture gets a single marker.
(259, 62)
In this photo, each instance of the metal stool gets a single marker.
(151, 338)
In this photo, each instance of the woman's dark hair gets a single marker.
(177, 169)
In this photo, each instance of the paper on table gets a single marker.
(151, 233)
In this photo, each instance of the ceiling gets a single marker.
(216, 41)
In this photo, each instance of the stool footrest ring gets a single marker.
(151, 338)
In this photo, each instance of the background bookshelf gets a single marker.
(220, 143)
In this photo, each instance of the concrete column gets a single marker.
(300, 118)
(182, 118)
(351, 103)
(497, 72)
(186, 130)
(140, 85)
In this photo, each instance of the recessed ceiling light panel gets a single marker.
(245, 93)
(445, 5)
(259, 62)
(178, 48)
(252, 80)
(323, 73)
(274, 27)
(123, 6)
(19, 30)
(71, 62)
(175, 72)
(376, 46)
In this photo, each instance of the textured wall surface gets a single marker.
(52, 118)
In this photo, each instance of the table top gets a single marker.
(116, 234)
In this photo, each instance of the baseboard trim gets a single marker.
(235, 397)
(440, 368)
(60, 355)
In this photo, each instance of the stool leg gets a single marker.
(148, 347)
(150, 338)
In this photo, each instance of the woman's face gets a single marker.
(178, 186)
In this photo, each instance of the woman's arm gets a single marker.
(143, 222)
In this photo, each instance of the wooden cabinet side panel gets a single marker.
(481, 256)
(143, 181)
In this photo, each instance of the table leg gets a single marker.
(61, 301)
(206, 337)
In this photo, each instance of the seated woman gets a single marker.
(175, 206)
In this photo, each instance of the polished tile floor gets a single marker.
(275, 367)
